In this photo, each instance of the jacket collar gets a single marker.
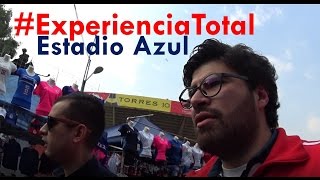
(286, 149)
(279, 148)
(259, 158)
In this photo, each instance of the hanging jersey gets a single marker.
(146, 140)
(161, 144)
(48, 95)
(197, 155)
(11, 153)
(29, 161)
(6, 68)
(187, 156)
(130, 137)
(26, 83)
(174, 154)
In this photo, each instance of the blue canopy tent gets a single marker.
(114, 136)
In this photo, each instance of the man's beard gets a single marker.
(61, 155)
(230, 135)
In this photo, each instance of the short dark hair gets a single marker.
(245, 62)
(85, 109)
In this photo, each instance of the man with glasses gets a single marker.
(232, 94)
(75, 124)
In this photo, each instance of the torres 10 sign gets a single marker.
(141, 102)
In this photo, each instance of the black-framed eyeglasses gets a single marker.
(209, 87)
(53, 121)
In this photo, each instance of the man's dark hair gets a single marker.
(245, 62)
(86, 109)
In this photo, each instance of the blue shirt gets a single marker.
(26, 83)
(174, 154)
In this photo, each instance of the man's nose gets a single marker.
(44, 130)
(199, 100)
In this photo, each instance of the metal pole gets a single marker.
(85, 75)
(57, 76)
(89, 60)
(82, 85)
(43, 75)
(133, 117)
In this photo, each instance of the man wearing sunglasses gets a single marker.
(232, 94)
(75, 124)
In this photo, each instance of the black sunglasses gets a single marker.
(53, 121)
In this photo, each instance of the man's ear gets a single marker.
(80, 133)
(261, 97)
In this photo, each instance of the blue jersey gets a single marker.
(26, 83)
(174, 154)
